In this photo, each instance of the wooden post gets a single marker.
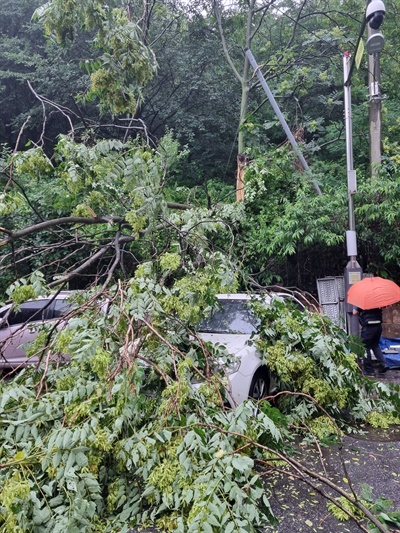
(241, 166)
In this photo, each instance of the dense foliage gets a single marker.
(118, 163)
(119, 435)
(97, 86)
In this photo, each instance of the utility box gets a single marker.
(351, 276)
(331, 297)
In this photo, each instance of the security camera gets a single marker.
(375, 13)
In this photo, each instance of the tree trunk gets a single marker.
(241, 167)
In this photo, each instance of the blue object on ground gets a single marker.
(392, 359)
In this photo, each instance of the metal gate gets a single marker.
(331, 296)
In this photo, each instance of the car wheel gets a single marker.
(259, 387)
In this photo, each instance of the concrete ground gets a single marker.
(371, 459)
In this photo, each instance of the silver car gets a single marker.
(20, 325)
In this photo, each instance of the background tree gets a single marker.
(195, 94)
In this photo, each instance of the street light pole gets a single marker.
(351, 173)
(353, 271)
(375, 99)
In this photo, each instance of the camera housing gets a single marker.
(375, 14)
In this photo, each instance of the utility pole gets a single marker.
(281, 118)
(353, 271)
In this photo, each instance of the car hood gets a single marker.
(236, 344)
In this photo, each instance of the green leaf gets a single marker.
(242, 463)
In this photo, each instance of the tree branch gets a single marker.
(58, 222)
(224, 45)
(81, 268)
(36, 228)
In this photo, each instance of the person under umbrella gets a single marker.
(368, 296)
(371, 331)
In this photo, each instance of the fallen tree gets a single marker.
(119, 436)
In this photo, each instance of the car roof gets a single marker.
(251, 296)
(62, 295)
(266, 297)
(240, 296)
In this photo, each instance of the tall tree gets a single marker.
(298, 48)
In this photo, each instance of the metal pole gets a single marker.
(375, 99)
(281, 118)
(353, 271)
(351, 173)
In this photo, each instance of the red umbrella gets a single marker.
(373, 292)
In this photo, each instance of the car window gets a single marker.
(61, 307)
(233, 316)
(33, 311)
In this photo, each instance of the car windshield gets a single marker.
(233, 316)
